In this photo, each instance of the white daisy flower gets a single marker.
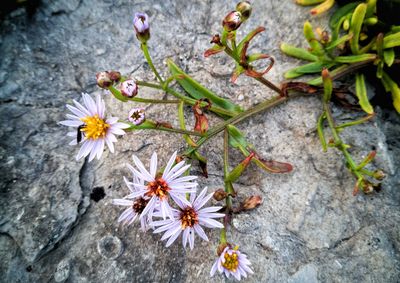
(232, 262)
(189, 219)
(160, 188)
(93, 129)
(135, 207)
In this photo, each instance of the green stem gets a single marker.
(228, 184)
(262, 80)
(146, 53)
(339, 143)
(186, 99)
(240, 117)
(118, 94)
(223, 236)
(165, 129)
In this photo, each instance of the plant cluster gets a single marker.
(164, 198)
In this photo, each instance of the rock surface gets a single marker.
(309, 229)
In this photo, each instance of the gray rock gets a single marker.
(309, 228)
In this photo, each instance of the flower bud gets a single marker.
(232, 21)
(251, 202)
(103, 79)
(244, 8)
(136, 116)
(220, 194)
(129, 88)
(142, 27)
(115, 76)
(379, 175)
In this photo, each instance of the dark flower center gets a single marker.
(139, 205)
(189, 217)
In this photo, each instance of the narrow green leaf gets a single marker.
(355, 58)
(320, 130)
(342, 12)
(391, 40)
(355, 26)
(292, 74)
(197, 91)
(318, 81)
(299, 53)
(308, 2)
(316, 47)
(361, 92)
(236, 138)
(389, 56)
(338, 41)
(394, 89)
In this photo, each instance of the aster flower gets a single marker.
(188, 220)
(136, 116)
(232, 262)
(161, 188)
(135, 206)
(142, 26)
(93, 129)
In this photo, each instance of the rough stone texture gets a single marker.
(309, 229)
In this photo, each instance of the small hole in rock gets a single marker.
(29, 268)
(97, 194)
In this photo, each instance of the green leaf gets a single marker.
(338, 41)
(197, 91)
(389, 56)
(318, 81)
(391, 40)
(315, 67)
(394, 89)
(299, 53)
(238, 141)
(320, 130)
(361, 92)
(316, 47)
(357, 20)
(355, 58)
(236, 138)
(342, 12)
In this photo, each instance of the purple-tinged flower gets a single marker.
(142, 26)
(129, 88)
(161, 187)
(232, 262)
(93, 129)
(136, 116)
(188, 220)
(135, 206)
(232, 21)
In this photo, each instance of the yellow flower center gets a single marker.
(189, 217)
(231, 261)
(94, 127)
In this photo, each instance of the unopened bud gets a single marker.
(367, 187)
(251, 202)
(220, 194)
(216, 39)
(129, 88)
(379, 175)
(244, 8)
(136, 116)
(178, 159)
(103, 79)
(142, 27)
(115, 76)
(221, 248)
(232, 21)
